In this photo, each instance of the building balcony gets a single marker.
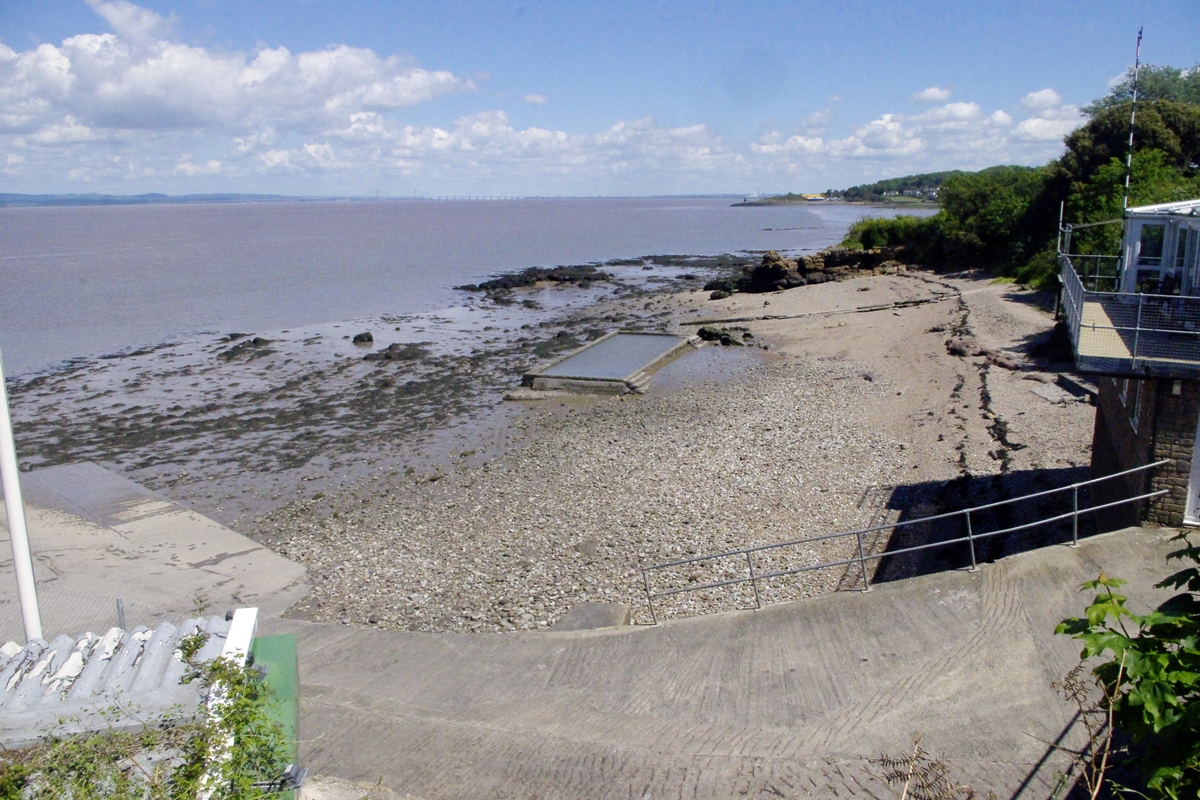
(1127, 334)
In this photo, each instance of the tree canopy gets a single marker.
(1154, 83)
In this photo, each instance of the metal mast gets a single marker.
(1137, 61)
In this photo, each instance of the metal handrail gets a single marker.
(863, 557)
(1162, 326)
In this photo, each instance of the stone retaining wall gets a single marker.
(1139, 422)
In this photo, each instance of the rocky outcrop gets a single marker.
(776, 272)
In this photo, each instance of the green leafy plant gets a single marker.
(1150, 678)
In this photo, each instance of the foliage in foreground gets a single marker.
(1149, 683)
(234, 752)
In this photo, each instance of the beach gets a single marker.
(825, 431)
(380, 453)
(450, 509)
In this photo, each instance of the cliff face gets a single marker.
(776, 272)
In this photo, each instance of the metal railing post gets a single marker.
(649, 599)
(121, 613)
(862, 564)
(1075, 515)
(753, 580)
(1137, 331)
(971, 539)
(862, 559)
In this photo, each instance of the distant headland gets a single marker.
(921, 189)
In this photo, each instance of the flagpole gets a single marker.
(17, 533)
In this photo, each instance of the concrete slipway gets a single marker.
(789, 701)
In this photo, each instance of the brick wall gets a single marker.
(1165, 429)
(1117, 446)
(1174, 437)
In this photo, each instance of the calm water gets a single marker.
(85, 281)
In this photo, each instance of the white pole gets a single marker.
(17, 533)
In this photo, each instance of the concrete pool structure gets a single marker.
(617, 363)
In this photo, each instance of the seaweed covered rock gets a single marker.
(774, 273)
(583, 275)
(250, 348)
(726, 337)
(398, 351)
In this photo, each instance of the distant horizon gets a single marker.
(13, 199)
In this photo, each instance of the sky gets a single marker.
(530, 97)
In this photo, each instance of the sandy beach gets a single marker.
(452, 510)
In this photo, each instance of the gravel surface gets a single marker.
(779, 452)
(851, 420)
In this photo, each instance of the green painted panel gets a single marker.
(278, 655)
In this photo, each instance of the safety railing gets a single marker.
(862, 555)
(1129, 333)
(1098, 273)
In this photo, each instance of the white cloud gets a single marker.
(132, 80)
(960, 135)
(1049, 125)
(188, 169)
(65, 131)
(129, 108)
(1041, 100)
(131, 22)
(934, 94)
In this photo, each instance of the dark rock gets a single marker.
(964, 346)
(250, 347)
(774, 273)
(727, 285)
(723, 336)
(398, 351)
(363, 338)
(720, 294)
(583, 275)
(1003, 361)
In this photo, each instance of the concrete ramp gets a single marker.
(96, 534)
(790, 701)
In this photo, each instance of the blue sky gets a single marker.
(532, 97)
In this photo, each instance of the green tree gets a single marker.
(1150, 675)
(1154, 83)
(990, 217)
(1173, 128)
(1154, 180)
